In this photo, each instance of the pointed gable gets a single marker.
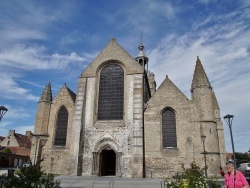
(47, 94)
(113, 52)
(200, 78)
(170, 89)
(66, 91)
(16, 140)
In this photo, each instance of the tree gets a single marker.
(242, 157)
(32, 176)
(6, 150)
(192, 177)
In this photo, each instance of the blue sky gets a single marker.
(54, 41)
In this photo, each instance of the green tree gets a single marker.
(193, 177)
(6, 150)
(32, 177)
(242, 157)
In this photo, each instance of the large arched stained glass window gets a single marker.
(111, 93)
(169, 129)
(61, 127)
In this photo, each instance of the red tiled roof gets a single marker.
(2, 138)
(229, 156)
(20, 150)
(23, 140)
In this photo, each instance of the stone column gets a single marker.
(118, 164)
(95, 164)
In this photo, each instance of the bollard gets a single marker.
(111, 184)
(10, 173)
(163, 184)
(2, 183)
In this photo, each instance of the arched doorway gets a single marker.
(107, 163)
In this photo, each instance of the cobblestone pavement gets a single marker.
(108, 182)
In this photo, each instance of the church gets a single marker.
(119, 124)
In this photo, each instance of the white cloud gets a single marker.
(21, 58)
(4, 130)
(15, 112)
(11, 90)
(31, 58)
(23, 129)
(207, 1)
(22, 34)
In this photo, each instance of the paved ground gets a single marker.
(108, 182)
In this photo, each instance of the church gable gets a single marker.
(62, 105)
(113, 52)
(65, 95)
(167, 94)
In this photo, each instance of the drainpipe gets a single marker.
(143, 137)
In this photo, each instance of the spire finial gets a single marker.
(141, 47)
(141, 38)
(198, 59)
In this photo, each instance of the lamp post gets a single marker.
(3, 110)
(229, 119)
(203, 137)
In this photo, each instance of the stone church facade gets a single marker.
(119, 124)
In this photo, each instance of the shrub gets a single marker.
(192, 177)
(32, 177)
(6, 150)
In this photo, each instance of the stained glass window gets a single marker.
(111, 93)
(61, 127)
(169, 129)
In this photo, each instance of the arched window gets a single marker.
(169, 129)
(111, 93)
(61, 127)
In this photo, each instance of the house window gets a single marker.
(61, 127)
(169, 129)
(8, 143)
(111, 93)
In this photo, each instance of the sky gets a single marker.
(42, 41)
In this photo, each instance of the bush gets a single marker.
(6, 150)
(192, 177)
(31, 176)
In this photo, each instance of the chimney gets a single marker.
(11, 133)
(28, 134)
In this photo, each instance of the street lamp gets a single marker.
(229, 118)
(203, 137)
(3, 110)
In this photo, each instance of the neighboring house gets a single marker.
(20, 146)
(119, 124)
(17, 140)
(229, 156)
(1, 138)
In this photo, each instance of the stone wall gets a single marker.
(123, 136)
(166, 162)
(55, 158)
